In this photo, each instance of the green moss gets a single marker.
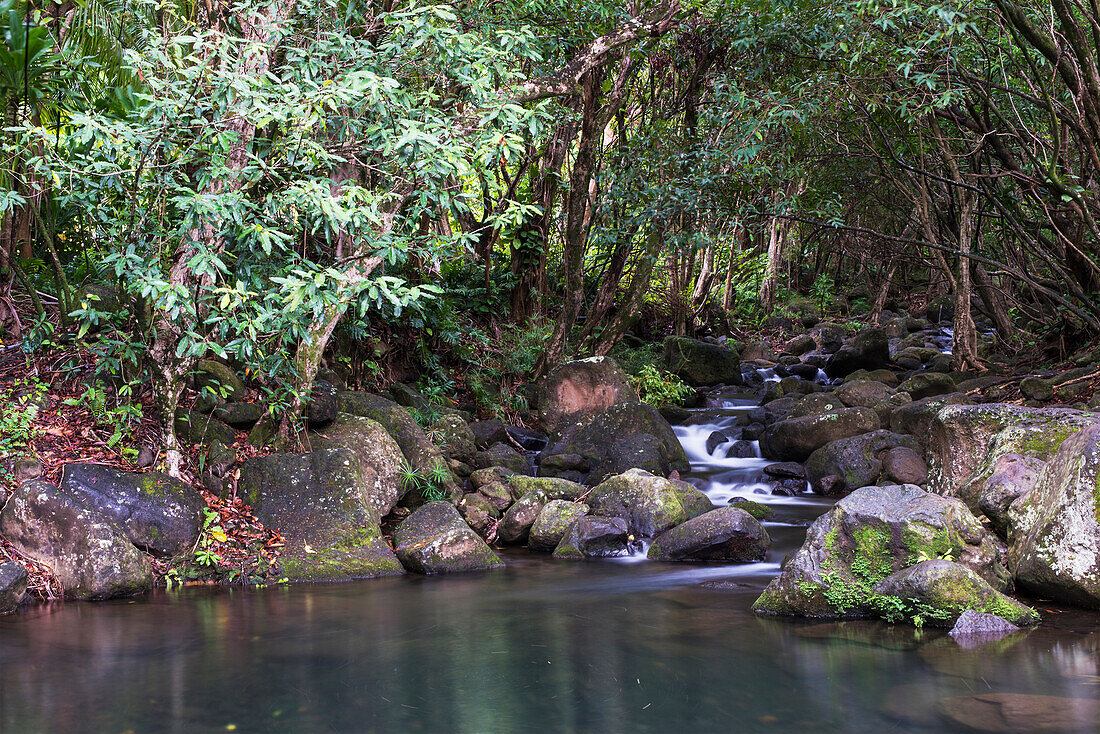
(357, 553)
(873, 560)
(926, 543)
(153, 485)
(1044, 443)
(757, 510)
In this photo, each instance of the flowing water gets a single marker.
(618, 645)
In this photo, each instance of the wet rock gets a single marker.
(220, 379)
(504, 456)
(788, 487)
(700, 363)
(13, 585)
(1012, 476)
(863, 393)
(786, 470)
(478, 512)
(375, 463)
(435, 539)
(805, 371)
(796, 438)
(869, 350)
(916, 418)
(714, 440)
(453, 437)
(488, 432)
(832, 486)
(974, 626)
(674, 414)
(815, 404)
(650, 504)
(695, 502)
(576, 391)
(92, 557)
(940, 591)
(928, 384)
(1005, 713)
(869, 535)
(799, 345)
(553, 520)
(1036, 388)
(418, 450)
(752, 432)
(517, 521)
(326, 505)
(1054, 533)
(757, 510)
(741, 450)
(593, 537)
(631, 435)
(903, 465)
(156, 513)
(726, 534)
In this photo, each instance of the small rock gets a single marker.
(13, 585)
(26, 468)
(786, 470)
(903, 465)
(552, 522)
(593, 537)
(517, 521)
(726, 534)
(435, 539)
(1036, 388)
(714, 440)
(988, 627)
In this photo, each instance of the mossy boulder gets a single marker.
(799, 345)
(13, 585)
(552, 521)
(701, 363)
(158, 514)
(885, 376)
(576, 391)
(1054, 532)
(421, 454)
(756, 509)
(1011, 477)
(694, 500)
(202, 429)
(593, 537)
(863, 393)
(505, 457)
(868, 350)
(435, 539)
(220, 379)
(650, 504)
(869, 535)
(241, 416)
(625, 436)
(811, 405)
(378, 464)
(726, 534)
(478, 512)
(517, 521)
(796, 438)
(928, 384)
(940, 591)
(552, 487)
(325, 505)
(453, 437)
(856, 461)
(90, 554)
(964, 441)
(1036, 388)
(915, 418)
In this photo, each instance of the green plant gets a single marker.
(20, 409)
(432, 484)
(659, 388)
(119, 418)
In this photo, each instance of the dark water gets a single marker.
(541, 646)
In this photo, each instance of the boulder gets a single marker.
(488, 432)
(407, 395)
(576, 391)
(1011, 477)
(202, 429)
(916, 418)
(241, 416)
(478, 512)
(796, 438)
(885, 376)
(1054, 534)
(694, 500)
(453, 437)
(626, 436)
(158, 514)
(904, 465)
(323, 403)
(799, 345)
(92, 557)
(435, 539)
(375, 462)
(829, 337)
(517, 521)
(814, 404)
(504, 456)
(553, 487)
(13, 585)
(499, 495)
(220, 379)
(1036, 388)
(928, 384)
(979, 626)
(700, 363)
(757, 510)
(726, 534)
(419, 451)
(863, 393)
(868, 350)
(593, 537)
(869, 535)
(553, 520)
(650, 504)
(939, 591)
(326, 505)
(856, 461)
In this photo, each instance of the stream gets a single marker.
(615, 645)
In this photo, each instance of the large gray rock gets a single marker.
(453, 437)
(593, 537)
(552, 521)
(326, 506)
(625, 436)
(813, 404)
(419, 451)
(928, 384)
(158, 514)
(504, 456)
(92, 557)
(701, 363)
(868, 350)
(964, 441)
(13, 585)
(940, 591)
(649, 504)
(796, 438)
(1054, 536)
(856, 461)
(378, 463)
(1012, 477)
(726, 534)
(980, 627)
(435, 539)
(869, 535)
(574, 392)
(863, 393)
(517, 521)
